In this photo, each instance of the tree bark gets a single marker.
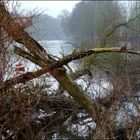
(15, 31)
(39, 56)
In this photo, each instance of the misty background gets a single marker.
(86, 20)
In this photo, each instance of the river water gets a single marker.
(58, 48)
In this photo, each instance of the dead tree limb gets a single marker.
(15, 31)
(40, 57)
(31, 75)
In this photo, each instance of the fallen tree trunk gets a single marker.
(55, 65)
(40, 57)
(15, 31)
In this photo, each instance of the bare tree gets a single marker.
(102, 110)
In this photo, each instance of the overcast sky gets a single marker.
(52, 8)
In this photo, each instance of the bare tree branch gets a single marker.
(39, 56)
(115, 27)
(16, 31)
(31, 75)
(18, 34)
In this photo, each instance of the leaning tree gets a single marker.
(18, 111)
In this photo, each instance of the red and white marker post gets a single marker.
(20, 69)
